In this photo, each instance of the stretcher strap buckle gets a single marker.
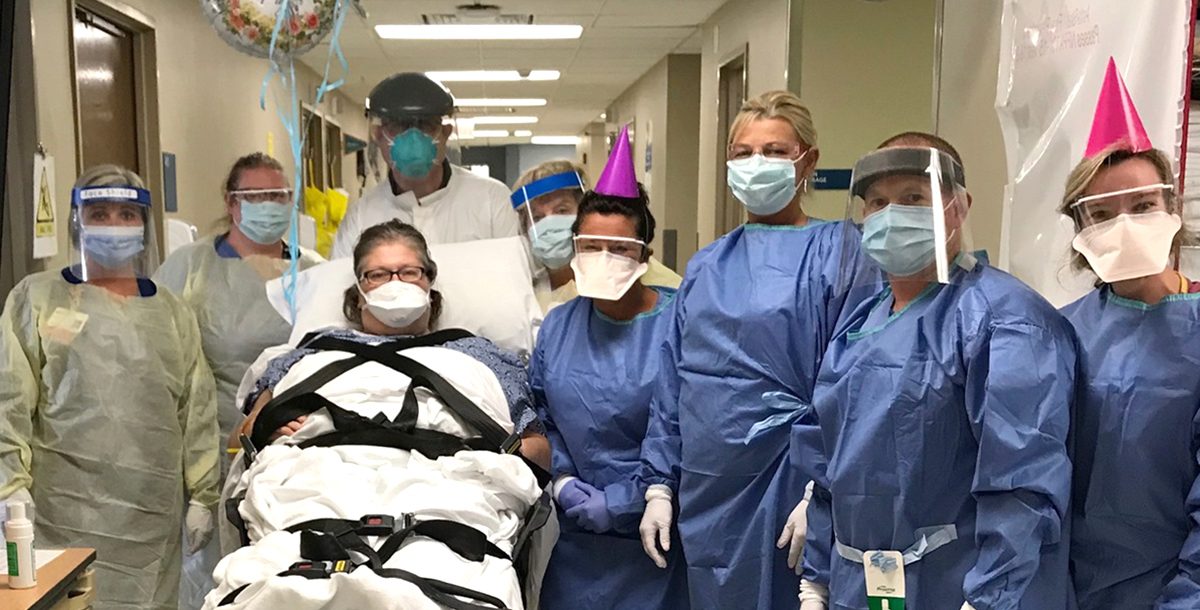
(511, 445)
(377, 525)
(319, 569)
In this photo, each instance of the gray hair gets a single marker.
(390, 232)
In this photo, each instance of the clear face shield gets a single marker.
(547, 208)
(410, 146)
(1128, 233)
(112, 235)
(908, 212)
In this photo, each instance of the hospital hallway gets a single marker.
(635, 304)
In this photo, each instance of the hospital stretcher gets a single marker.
(403, 488)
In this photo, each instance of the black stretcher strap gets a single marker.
(423, 376)
(447, 594)
(433, 339)
(468, 542)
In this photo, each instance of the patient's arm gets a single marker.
(536, 448)
(288, 429)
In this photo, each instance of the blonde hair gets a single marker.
(1085, 172)
(776, 105)
(550, 168)
(109, 175)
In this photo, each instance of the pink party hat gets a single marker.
(618, 178)
(1116, 119)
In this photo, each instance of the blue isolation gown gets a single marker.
(951, 412)
(593, 378)
(754, 314)
(1135, 542)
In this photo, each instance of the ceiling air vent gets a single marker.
(477, 13)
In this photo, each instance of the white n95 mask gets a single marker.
(605, 276)
(1129, 246)
(396, 304)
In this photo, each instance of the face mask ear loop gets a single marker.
(803, 186)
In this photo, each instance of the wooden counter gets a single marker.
(54, 581)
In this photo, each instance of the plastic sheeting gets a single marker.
(1052, 59)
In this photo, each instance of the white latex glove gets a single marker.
(199, 525)
(795, 529)
(813, 596)
(656, 524)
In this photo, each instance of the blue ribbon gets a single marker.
(283, 66)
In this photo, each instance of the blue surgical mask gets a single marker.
(900, 238)
(265, 223)
(764, 185)
(413, 153)
(553, 244)
(111, 246)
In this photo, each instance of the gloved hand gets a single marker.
(813, 596)
(199, 525)
(795, 529)
(655, 527)
(591, 514)
(568, 493)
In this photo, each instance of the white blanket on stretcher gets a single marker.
(287, 485)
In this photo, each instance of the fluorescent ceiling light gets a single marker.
(489, 31)
(522, 133)
(491, 133)
(459, 76)
(504, 120)
(464, 102)
(561, 140)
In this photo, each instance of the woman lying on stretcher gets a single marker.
(381, 468)
(393, 298)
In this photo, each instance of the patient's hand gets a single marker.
(290, 428)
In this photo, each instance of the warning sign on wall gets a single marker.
(45, 227)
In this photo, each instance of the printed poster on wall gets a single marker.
(1053, 54)
(45, 225)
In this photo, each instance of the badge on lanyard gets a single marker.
(64, 325)
(885, 579)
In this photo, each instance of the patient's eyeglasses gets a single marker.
(378, 277)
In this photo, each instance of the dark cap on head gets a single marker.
(904, 161)
(409, 95)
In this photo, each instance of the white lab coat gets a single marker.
(471, 207)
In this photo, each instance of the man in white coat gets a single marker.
(410, 123)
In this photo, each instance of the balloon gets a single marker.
(247, 25)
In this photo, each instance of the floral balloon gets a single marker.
(247, 25)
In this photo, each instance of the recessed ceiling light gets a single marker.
(522, 133)
(491, 133)
(489, 31)
(504, 120)
(459, 76)
(560, 140)
(479, 102)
